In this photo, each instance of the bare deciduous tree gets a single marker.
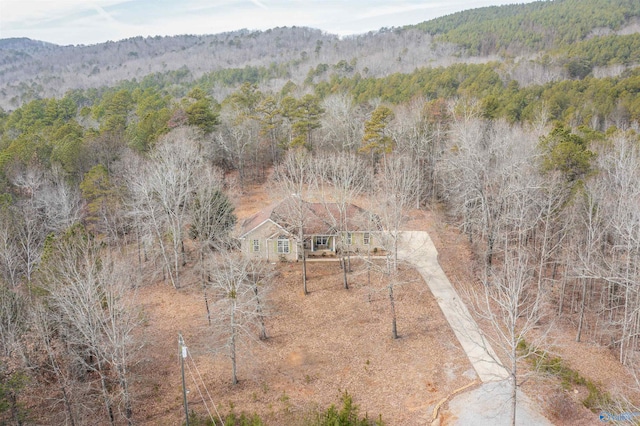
(31, 234)
(51, 356)
(342, 123)
(607, 261)
(343, 177)
(239, 287)
(51, 205)
(420, 130)
(480, 173)
(162, 194)
(92, 299)
(396, 192)
(294, 179)
(512, 304)
(236, 142)
(212, 220)
(13, 320)
(11, 266)
(58, 202)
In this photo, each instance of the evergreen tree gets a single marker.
(566, 153)
(376, 140)
(200, 111)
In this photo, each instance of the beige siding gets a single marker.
(358, 245)
(267, 235)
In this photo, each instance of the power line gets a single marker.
(207, 390)
(185, 355)
(206, 407)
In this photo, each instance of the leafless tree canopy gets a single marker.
(240, 290)
(106, 188)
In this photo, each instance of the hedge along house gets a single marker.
(272, 233)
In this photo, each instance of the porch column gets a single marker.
(267, 243)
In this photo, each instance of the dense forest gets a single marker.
(522, 28)
(520, 121)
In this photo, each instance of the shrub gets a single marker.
(596, 399)
(232, 419)
(348, 415)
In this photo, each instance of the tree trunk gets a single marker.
(176, 263)
(263, 328)
(304, 272)
(204, 286)
(304, 259)
(15, 412)
(232, 348)
(562, 290)
(206, 305)
(490, 243)
(139, 250)
(58, 373)
(67, 405)
(394, 328)
(344, 272)
(514, 393)
(167, 261)
(582, 309)
(124, 388)
(515, 339)
(395, 249)
(368, 267)
(105, 395)
(625, 337)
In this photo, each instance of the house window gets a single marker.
(256, 245)
(322, 241)
(366, 238)
(283, 246)
(349, 238)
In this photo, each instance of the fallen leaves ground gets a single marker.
(335, 340)
(319, 345)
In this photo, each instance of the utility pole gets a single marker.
(182, 353)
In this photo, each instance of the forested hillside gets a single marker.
(119, 161)
(29, 70)
(534, 26)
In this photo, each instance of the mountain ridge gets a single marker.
(30, 69)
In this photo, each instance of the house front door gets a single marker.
(321, 242)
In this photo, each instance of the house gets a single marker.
(272, 233)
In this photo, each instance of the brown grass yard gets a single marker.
(330, 341)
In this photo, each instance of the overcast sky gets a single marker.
(95, 21)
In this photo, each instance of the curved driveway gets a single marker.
(489, 404)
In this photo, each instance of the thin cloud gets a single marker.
(96, 21)
(19, 11)
(396, 9)
(103, 13)
(259, 4)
